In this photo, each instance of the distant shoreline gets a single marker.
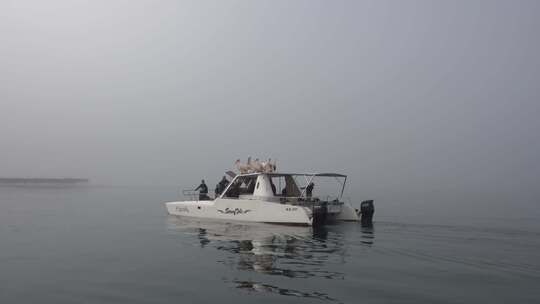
(12, 180)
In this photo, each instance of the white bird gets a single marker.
(268, 167)
(243, 168)
(249, 164)
(256, 166)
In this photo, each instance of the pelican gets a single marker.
(256, 166)
(243, 168)
(268, 167)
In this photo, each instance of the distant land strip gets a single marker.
(11, 180)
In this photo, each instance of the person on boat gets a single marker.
(216, 191)
(220, 187)
(273, 187)
(309, 189)
(203, 191)
(283, 199)
(251, 187)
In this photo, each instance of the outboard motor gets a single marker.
(319, 214)
(366, 213)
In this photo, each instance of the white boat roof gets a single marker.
(300, 174)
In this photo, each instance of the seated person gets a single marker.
(221, 186)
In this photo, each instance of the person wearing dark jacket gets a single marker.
(203, 191)
(309, 190)
(222, 185)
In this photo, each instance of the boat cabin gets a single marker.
(276, 187)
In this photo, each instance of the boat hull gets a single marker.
(254, 211)
(242, 210)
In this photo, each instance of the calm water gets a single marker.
(118, 245)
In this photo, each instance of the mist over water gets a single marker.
(414, 97)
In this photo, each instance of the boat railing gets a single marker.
(303, 199)
(331, 203)
(194, 195)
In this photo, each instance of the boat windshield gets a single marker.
(242, 185)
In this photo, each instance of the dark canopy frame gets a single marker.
(311, 176)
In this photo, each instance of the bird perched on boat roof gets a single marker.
(256, 166)
(243, 168)
(268, 167)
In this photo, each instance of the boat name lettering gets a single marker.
(291, 208)
(234, 211)
(182, 209)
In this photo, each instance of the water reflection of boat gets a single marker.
(368, 235)
(289, 251)
(251, 286)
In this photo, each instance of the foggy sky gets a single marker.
(403, 96)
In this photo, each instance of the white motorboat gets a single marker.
(270, 197)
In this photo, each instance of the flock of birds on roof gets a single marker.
(255, 166)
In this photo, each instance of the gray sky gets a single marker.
(404, 96)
